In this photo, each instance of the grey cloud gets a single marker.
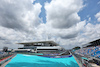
(69, 36)
(11, 21)
(16, 14)
(64, 22)
(2, 38)
(7, 42)
(13, 17)
(8, 16)
(18, 20)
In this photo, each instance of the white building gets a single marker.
(41, 46)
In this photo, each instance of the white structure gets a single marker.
(41, 46)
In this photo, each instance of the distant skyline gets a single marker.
(68, 22)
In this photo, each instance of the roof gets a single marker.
(93, 43)
(24, 43)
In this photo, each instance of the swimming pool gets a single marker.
(22, 60)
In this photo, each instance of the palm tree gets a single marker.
(5, 49)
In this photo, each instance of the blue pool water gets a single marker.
(22, 60)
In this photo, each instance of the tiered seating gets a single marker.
(90, 51)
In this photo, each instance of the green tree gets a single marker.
(5, 49)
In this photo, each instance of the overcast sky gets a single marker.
(69, 23)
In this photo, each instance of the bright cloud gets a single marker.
(20, 22)
(63, 14)
(98, 16)
(19, 14)
(17, 21)
(98, 2)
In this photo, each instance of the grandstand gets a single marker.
(89, 53)
(93, 43)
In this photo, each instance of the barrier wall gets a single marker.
(2, 61)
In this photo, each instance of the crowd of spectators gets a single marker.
(3, 54)
(89, 51)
